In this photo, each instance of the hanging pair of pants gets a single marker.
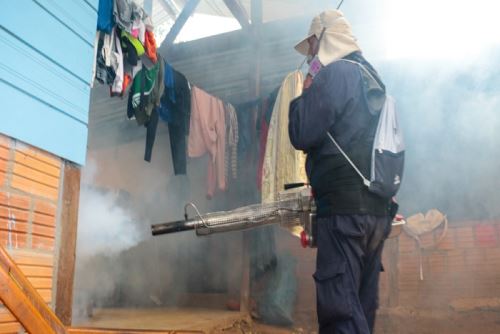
(348, 266)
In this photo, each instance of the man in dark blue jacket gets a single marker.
(343, 94)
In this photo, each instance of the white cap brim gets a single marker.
(302, 47)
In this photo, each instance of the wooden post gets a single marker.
(256, 33)
(254, 92)
(67, 245)
(245, 275)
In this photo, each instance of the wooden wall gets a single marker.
(45, 73)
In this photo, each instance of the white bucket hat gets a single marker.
(337, 41)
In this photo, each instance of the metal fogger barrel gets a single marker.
(293, 208)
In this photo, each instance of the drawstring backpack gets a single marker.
(388, 152)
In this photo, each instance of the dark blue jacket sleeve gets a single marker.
(313, 113)
(322, 105)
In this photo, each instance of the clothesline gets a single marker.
(199, 123)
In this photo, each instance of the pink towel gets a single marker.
(207, 135)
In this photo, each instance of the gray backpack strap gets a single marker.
(375, 94)
(366, 182)
(360, 65)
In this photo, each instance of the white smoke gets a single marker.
(104, 225)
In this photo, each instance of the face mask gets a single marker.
(314, 63)
(314, 66)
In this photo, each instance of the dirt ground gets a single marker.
(208, 321)
(389, 321)
(408, 321)
(465, 320)
(405, 321)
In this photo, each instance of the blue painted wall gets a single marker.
(46, 58)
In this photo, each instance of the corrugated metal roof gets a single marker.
(224, 65)
(272, 9)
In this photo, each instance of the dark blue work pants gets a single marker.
(348, 266)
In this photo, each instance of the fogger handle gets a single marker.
(289, 186)
(173, 227)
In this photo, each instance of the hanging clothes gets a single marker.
(105, 16)
(132, 48)
(94, 64)
(150, 46)
(231, 156)
(151, 127)
(144, 93)
(159, 86)
(207, 135)
(282, 163)
(245, 125)
(107, 48)
(122, 11)
(152, 111)
(104, 72)
(117, 63)
(168, 98)
(175, 110)
(148, 22)
(264, 121)
(127, 79)
(138, 30)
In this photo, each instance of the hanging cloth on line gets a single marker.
(139, 95)
(232, 137)
(263, 122)
(207, 135)
(150, 46)
(282, 162)
(117, 63)
(175, 109)
(122, 11)
(105, 16)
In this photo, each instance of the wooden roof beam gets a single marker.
(168, 6)
(239, 12)
(187, 11)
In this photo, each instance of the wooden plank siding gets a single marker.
(45, 75)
